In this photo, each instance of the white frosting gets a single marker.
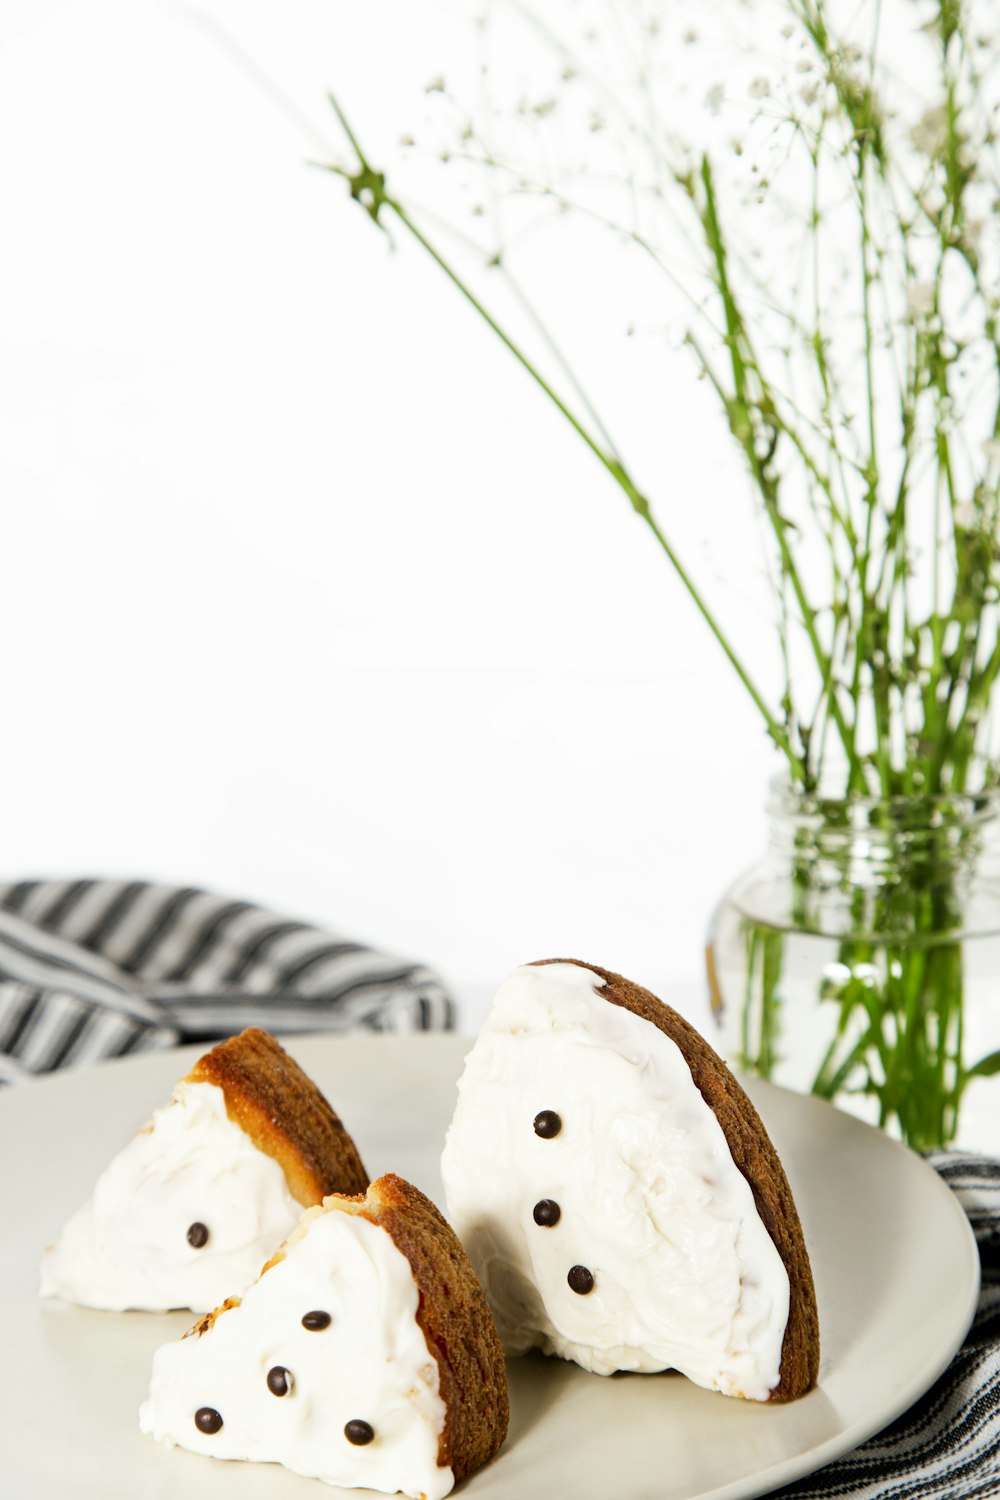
(128, 1248)
(372, 1363)
(685, 1274)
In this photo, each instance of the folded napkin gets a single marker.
(99, 968)
(947, 1446)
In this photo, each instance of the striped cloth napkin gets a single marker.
(91, 969)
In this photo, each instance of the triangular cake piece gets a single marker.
(190, 1209)
(365, 1355)
(619, 1196)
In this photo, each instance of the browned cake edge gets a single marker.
(752, 1151)
(456, 1321)
(453, 1315)
(284, 1114)
(205, 1323)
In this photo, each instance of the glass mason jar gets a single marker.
(860, 960)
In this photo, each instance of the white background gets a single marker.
(306, 594)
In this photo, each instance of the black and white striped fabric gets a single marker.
(947, 1446)
(91, 969)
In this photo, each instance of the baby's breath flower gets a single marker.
(930, 133)
(842, 310)
(920, 299)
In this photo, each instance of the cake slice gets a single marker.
(189, 1211)
(619, 1196)
(365, 1356)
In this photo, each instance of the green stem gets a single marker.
(742, 362)
(368, 187)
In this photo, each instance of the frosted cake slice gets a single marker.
(365, 1356)
(619, 1196)
(187, 1213)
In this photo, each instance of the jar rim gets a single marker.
(978, 804)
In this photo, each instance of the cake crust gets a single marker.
(284, 1114)
(754, 1155)
(456, 1321)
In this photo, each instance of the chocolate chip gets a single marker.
(359, 1432)
(198, 1238)
(316, 1321)
(207, 1419)
(279, 1380)
(547, 1213)
(581, 1280)
(547, 1124)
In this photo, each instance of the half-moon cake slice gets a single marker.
(365, 1355)
(190, 1209)
(619, 1196)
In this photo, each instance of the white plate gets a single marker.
(896, 1270)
